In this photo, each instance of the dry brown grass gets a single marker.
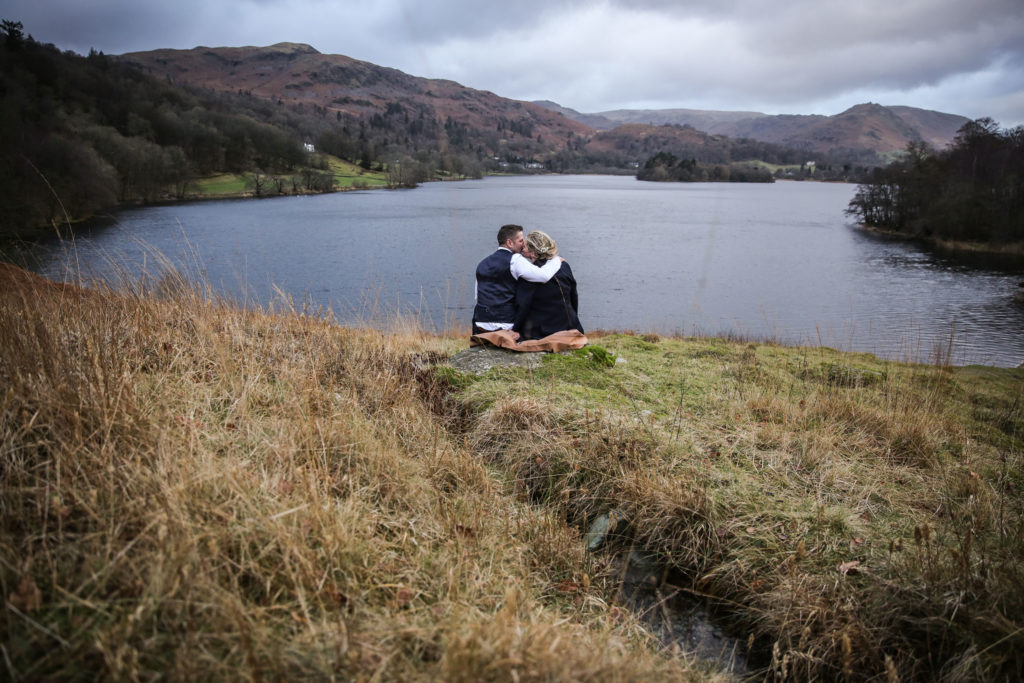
(195, 491)
(192, 490)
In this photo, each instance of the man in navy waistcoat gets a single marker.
(496, 279)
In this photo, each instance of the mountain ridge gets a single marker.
(299, 75)
(877, 128)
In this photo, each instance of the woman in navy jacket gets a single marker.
(547, 307)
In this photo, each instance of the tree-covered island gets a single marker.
(664, 166)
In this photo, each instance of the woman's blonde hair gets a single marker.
(542, 245)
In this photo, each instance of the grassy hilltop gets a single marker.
(192, 490)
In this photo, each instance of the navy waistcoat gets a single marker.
(495, 289)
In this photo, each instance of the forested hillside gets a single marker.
(82, 133)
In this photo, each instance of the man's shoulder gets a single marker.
(495, 259)
(502, 254)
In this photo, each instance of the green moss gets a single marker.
(447, 375)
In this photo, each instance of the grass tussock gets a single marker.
(196, 491)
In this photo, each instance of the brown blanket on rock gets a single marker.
(507, 339)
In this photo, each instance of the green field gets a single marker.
(347, 176)
(225, 184)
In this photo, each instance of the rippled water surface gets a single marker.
(777, 261)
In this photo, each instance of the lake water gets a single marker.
(778, 261)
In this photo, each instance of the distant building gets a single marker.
(309, 147)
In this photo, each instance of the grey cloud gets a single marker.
(108, 25)
(605, 54)
(434, 22)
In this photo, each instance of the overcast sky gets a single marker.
(775, 56)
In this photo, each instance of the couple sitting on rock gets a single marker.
(526, 295)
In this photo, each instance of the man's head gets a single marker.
(511, 237)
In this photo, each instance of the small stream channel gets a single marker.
(656, 597)
(677, 618)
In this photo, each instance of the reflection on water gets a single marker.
(775, 261)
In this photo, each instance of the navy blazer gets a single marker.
(543, 308)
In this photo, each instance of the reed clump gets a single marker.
(192, 490)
